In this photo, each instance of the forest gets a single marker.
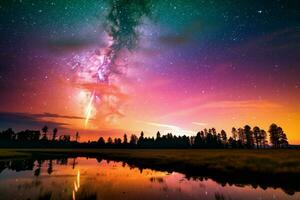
(240, 138)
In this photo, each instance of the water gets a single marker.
(82, 178)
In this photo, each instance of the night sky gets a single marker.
(109, 67)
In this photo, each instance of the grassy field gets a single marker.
(12, 153)
(258, 161)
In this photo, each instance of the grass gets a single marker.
(256, 161)
(12, 153)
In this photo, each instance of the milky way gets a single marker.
(96, 67)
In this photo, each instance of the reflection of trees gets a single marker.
(21, 165)
(62, 161)
(29, 164)
(141, 169)
(2, 166)
(157, 179)
(37, 171)
(17, 165)
(219, 196)
(50, 167)
(99, 159)
(74, 163)
(45, 196)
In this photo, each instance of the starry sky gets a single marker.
(175, 66)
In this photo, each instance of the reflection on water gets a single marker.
(83, 178)
(76, 185)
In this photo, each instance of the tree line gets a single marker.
(242, 138)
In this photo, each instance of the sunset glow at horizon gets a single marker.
(214, 66)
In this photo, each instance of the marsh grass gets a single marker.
(260, 161)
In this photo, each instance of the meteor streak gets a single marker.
(89, 109)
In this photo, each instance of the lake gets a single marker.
(91, 178)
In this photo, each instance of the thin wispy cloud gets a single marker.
(251, 104)
(163, 125)
(34, 120)
(170, 128)
(199, 123)
(52, 115)
(247, 104)
(27, 120)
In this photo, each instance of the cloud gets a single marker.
(185, 36)
(112, 100)
(103, 88)
(275, 42)
(174, 40)
(251, 104)
(51, 115)
(199, 123)
(70, 45)
(170, 128)
(163, 125)
(28, 120)
(247, 104)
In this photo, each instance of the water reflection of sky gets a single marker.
(88, 179)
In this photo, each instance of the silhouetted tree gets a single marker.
(158, 135)
(76, 136)
(133, 140)
(224, 137)
(210, 138)
(54, 134)
(199, 140)
(109, 141)
(242, 137)
(263, 138)
(232, 143)
(45, 130)
(8, 134)
(257, 136)
(125, 140)
(274, 135)
(28, 136)
(234, 133)
(249, 137)
(36, 136)
(118, 141)
(101, 141)
(282, 138)
(141, 139)
(65, 138)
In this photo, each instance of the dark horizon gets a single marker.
(241, 138)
